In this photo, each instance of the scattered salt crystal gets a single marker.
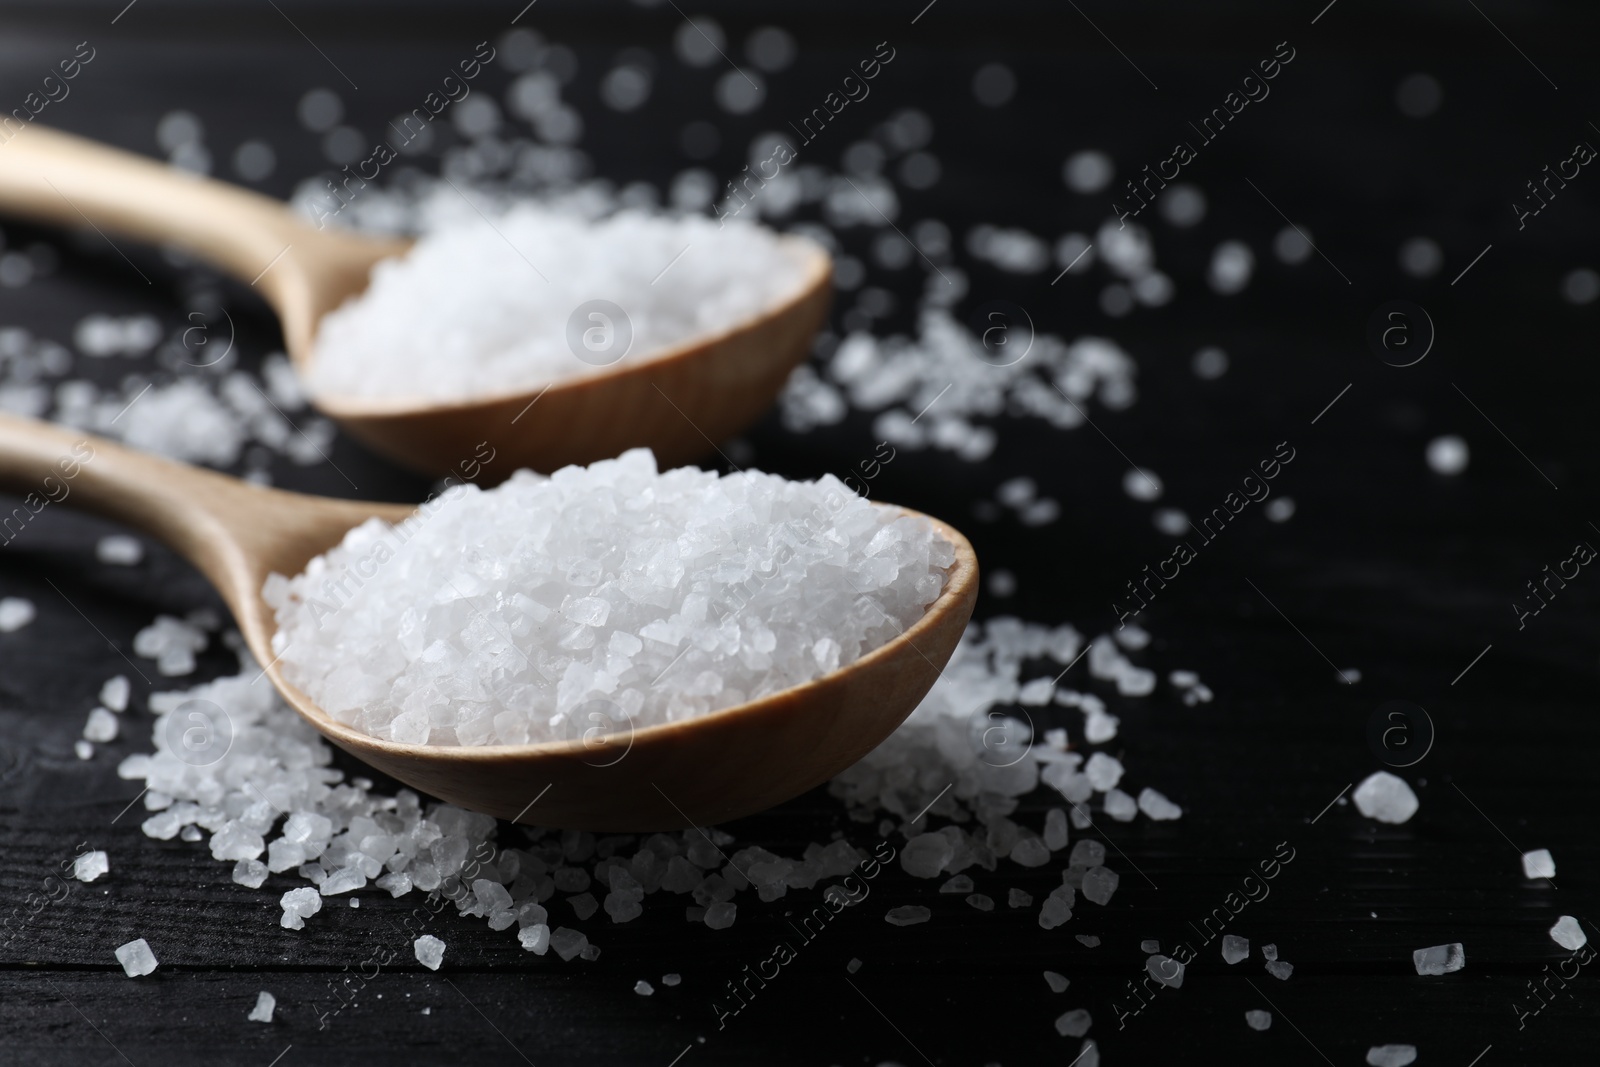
(343, 880)
(90, 866)
(1386, 798)
(1538, 864)
(1447, 455)
(981, 902)
(1269, 952)
(1440, 959)
(908, 915)
(853, 966)
(15, 613)
(1157, 806)
(1149, 945)
(1104, 771)
(1055, 829)
(298, 904)
(958, 884)
(674, 979)
(643, 988)
(925, 855)
(1099, 883)
(1057, 907)
(1165, 969)
(1087, 853)
(1058, 982)
(1088, 940)
(1258, 1020)
(262, 1012)
(467, 311)
(1120, 806)
(1568, 934)
(102, 726)
(1235, 948)
(535, 938)
(1030, 852)
(1279, 509)
(1280, 970)
(1142, 484)
(83, 749)
(568, 943)
(720, 915)
(1018, 898)
(429, 950)
(1391, 1055)
(136, 958)
(1074, 1023)
(114, 694)
(250, 873)
(119, 550)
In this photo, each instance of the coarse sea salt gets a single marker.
(483, 306)
(90, 866)
(1386, 798)
(136, 958)
(15, 613)
(609, 596)
(262, 1012)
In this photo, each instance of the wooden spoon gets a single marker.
(677, 402)
(711, 769)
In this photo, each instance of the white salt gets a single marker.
(568, 943)
(119, 550)
(1447, 455)
(1157, 806)
(611, 596)
(90, 866)
(1386, 798)
(136, 958)
(250, 873)
(1099, 883)
(1391, 1055)
(15, 613)
(535, 938)
(479, 307)
(720, 915)
(643, 988)
(1568, 934)
(83, 749)
(674, 979)
(1280, 970)
(1258, 1020)
(1538, 864)
(262, 1012)
(1074, 1023)
(1165, 969)
(114, 694)
(1269, 952)
(102, 726)
(429, 950)
(1120, 806)
(1058, 982)
(1149, 945)
(1235, 948)
(1142, 484)
(297, 905)
(1440, 959)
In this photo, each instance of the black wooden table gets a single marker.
(1385, 567)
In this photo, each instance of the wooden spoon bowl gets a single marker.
(677, 402)
(711, 769)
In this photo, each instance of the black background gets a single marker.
(1384, 567)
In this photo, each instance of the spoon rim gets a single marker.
(816, 271)
(960, 589)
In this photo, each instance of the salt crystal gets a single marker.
(1149, 945)
(262, 1012)
(1440, 959)
(568, 943)
(114, 694)
(1258, 1020)
(535, 938)
(1538, 864)
(1074, 1023)
(1058, 982)
(1087, 853)
(298, 905)
(958, 884)
(720, 915)
(1269, 952)
(1018, 898)
(1099, 883)
(1104, 771)
(925, 855)
(429, 950)
(83, 749)
(1030, 852)
(102, 726)
(1391, 1055)
(1386, 798)
(343, 880)
(674, 979)
(1568, 934)
(853, 966)
(90, 866)
(250, 873)
(1088, 940)
(1156, 806)
(1447, 455)
(643, 988)
(1165, 969)
(1235, 948)
(1280, 970)
(136, 958)
(1055, 829)
(15, 613)
(981, 902)
(119, 550)
(1057, 907)
(908, 915)
(1120, 806)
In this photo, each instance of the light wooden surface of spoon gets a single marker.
(677, 402)
(706, 770)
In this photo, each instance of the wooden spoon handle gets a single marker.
(56, 177)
